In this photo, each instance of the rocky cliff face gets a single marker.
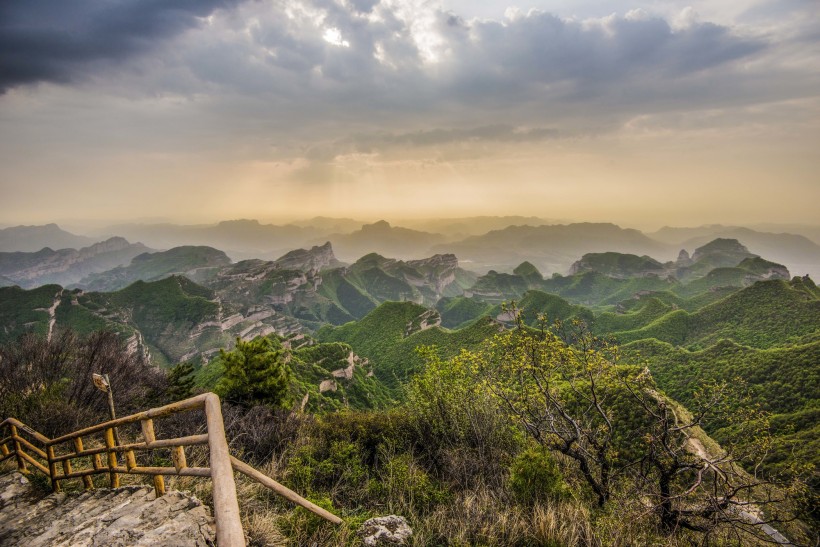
(317, 258)
(438, 271)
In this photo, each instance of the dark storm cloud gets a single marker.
(543, 49)
(58, 40)
(526, 69)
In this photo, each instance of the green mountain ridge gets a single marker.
(763, 315)
(196, 263)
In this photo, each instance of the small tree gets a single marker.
(566, 390)
(256, 372)
(180, 381)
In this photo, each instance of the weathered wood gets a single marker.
(188, 404)
(21, 462)
(283, 491)
(52, 469)
(147, 426)
(226, 507)
(178, 457)
(30, 446)
(88, 483)
(170, 471)
(113, 477)
(159, 471)
(222, 464)
(36, 434)
(67, 467)
(130, 460)
(161, 443)
(34, 462)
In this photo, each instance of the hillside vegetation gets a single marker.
(413, 386)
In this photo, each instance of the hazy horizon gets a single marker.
(644, 114)
(99, 228)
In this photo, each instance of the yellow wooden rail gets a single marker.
(122, 459)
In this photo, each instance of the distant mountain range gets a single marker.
(307, 288)
(195, 263)
(66, 266)
(382, 238)
(240, 239)
(552, 248)
(34, 238)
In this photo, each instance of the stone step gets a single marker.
(131, 515)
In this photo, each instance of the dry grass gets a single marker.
(483, 518)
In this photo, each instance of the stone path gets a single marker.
(118, 517)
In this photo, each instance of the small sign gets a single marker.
(100, 382)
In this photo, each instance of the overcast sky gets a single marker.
(643, 113)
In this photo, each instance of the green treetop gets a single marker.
(256, 372)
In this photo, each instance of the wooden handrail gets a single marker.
(222, 465)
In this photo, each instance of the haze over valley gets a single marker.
(455, 272)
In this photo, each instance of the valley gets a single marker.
(354, 332)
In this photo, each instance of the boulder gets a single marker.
(389, 530)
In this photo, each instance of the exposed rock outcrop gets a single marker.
(389, 530)
(317, 258)
(130, 516)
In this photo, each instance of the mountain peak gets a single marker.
(527, 270)
(316, 258)
(379, 226)
(722, 246)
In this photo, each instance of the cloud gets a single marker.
(500, 133)
(58, 41)
(262, 80)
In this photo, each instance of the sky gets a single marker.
(643, 113)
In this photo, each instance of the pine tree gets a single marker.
(181, 381)
(255, 373)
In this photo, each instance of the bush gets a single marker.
(535, 477)
(406, 487)
(256, 372)
(458, 430)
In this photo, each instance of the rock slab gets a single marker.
(112, 517)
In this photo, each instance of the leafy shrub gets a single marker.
(406, 487)
(535, 477)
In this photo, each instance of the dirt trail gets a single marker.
(52, 314)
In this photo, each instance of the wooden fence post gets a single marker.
(52, 468)
(21, 462)
(147, 426)
(88, 482)
(226, 507)
(113, 477)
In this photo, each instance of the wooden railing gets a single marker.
(61, 459)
